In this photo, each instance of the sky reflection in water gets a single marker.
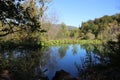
(26, 63)
(66, 57)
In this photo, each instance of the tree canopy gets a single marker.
(14, 14)
(106, 27)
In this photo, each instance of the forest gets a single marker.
(31, 39)
(29, 24)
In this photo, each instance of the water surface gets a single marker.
(27, 64)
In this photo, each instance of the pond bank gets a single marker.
(12, 44)
(101, 72)
(60, 42)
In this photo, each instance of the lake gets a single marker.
(28, 64)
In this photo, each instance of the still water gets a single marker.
(28, 64)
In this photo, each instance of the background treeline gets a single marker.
(104, 28)
(27, 22)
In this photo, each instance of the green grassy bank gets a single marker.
(12, 44)
(60, 42)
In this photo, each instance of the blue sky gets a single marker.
(74, 12)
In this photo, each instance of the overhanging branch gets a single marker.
(5, 34)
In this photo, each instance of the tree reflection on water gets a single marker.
(22, 64)
(93, 62)
(109, 66)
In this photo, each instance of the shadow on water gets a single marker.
(22, 64)
(30, 63)
(108, 67)
(93, 57)
(81, 62)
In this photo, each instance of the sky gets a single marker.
(74, 12)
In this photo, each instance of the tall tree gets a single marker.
(63, 31)
(14, 14)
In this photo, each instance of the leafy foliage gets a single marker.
(22, 18)
(114, 51)
(106, 27)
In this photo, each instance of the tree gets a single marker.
(106, 27)
(14, 14)
(63, 31)
(10, 13)
(114, 51)
(75, 33)
(90, 36)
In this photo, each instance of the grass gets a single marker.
(60, 42)
(13, 44)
